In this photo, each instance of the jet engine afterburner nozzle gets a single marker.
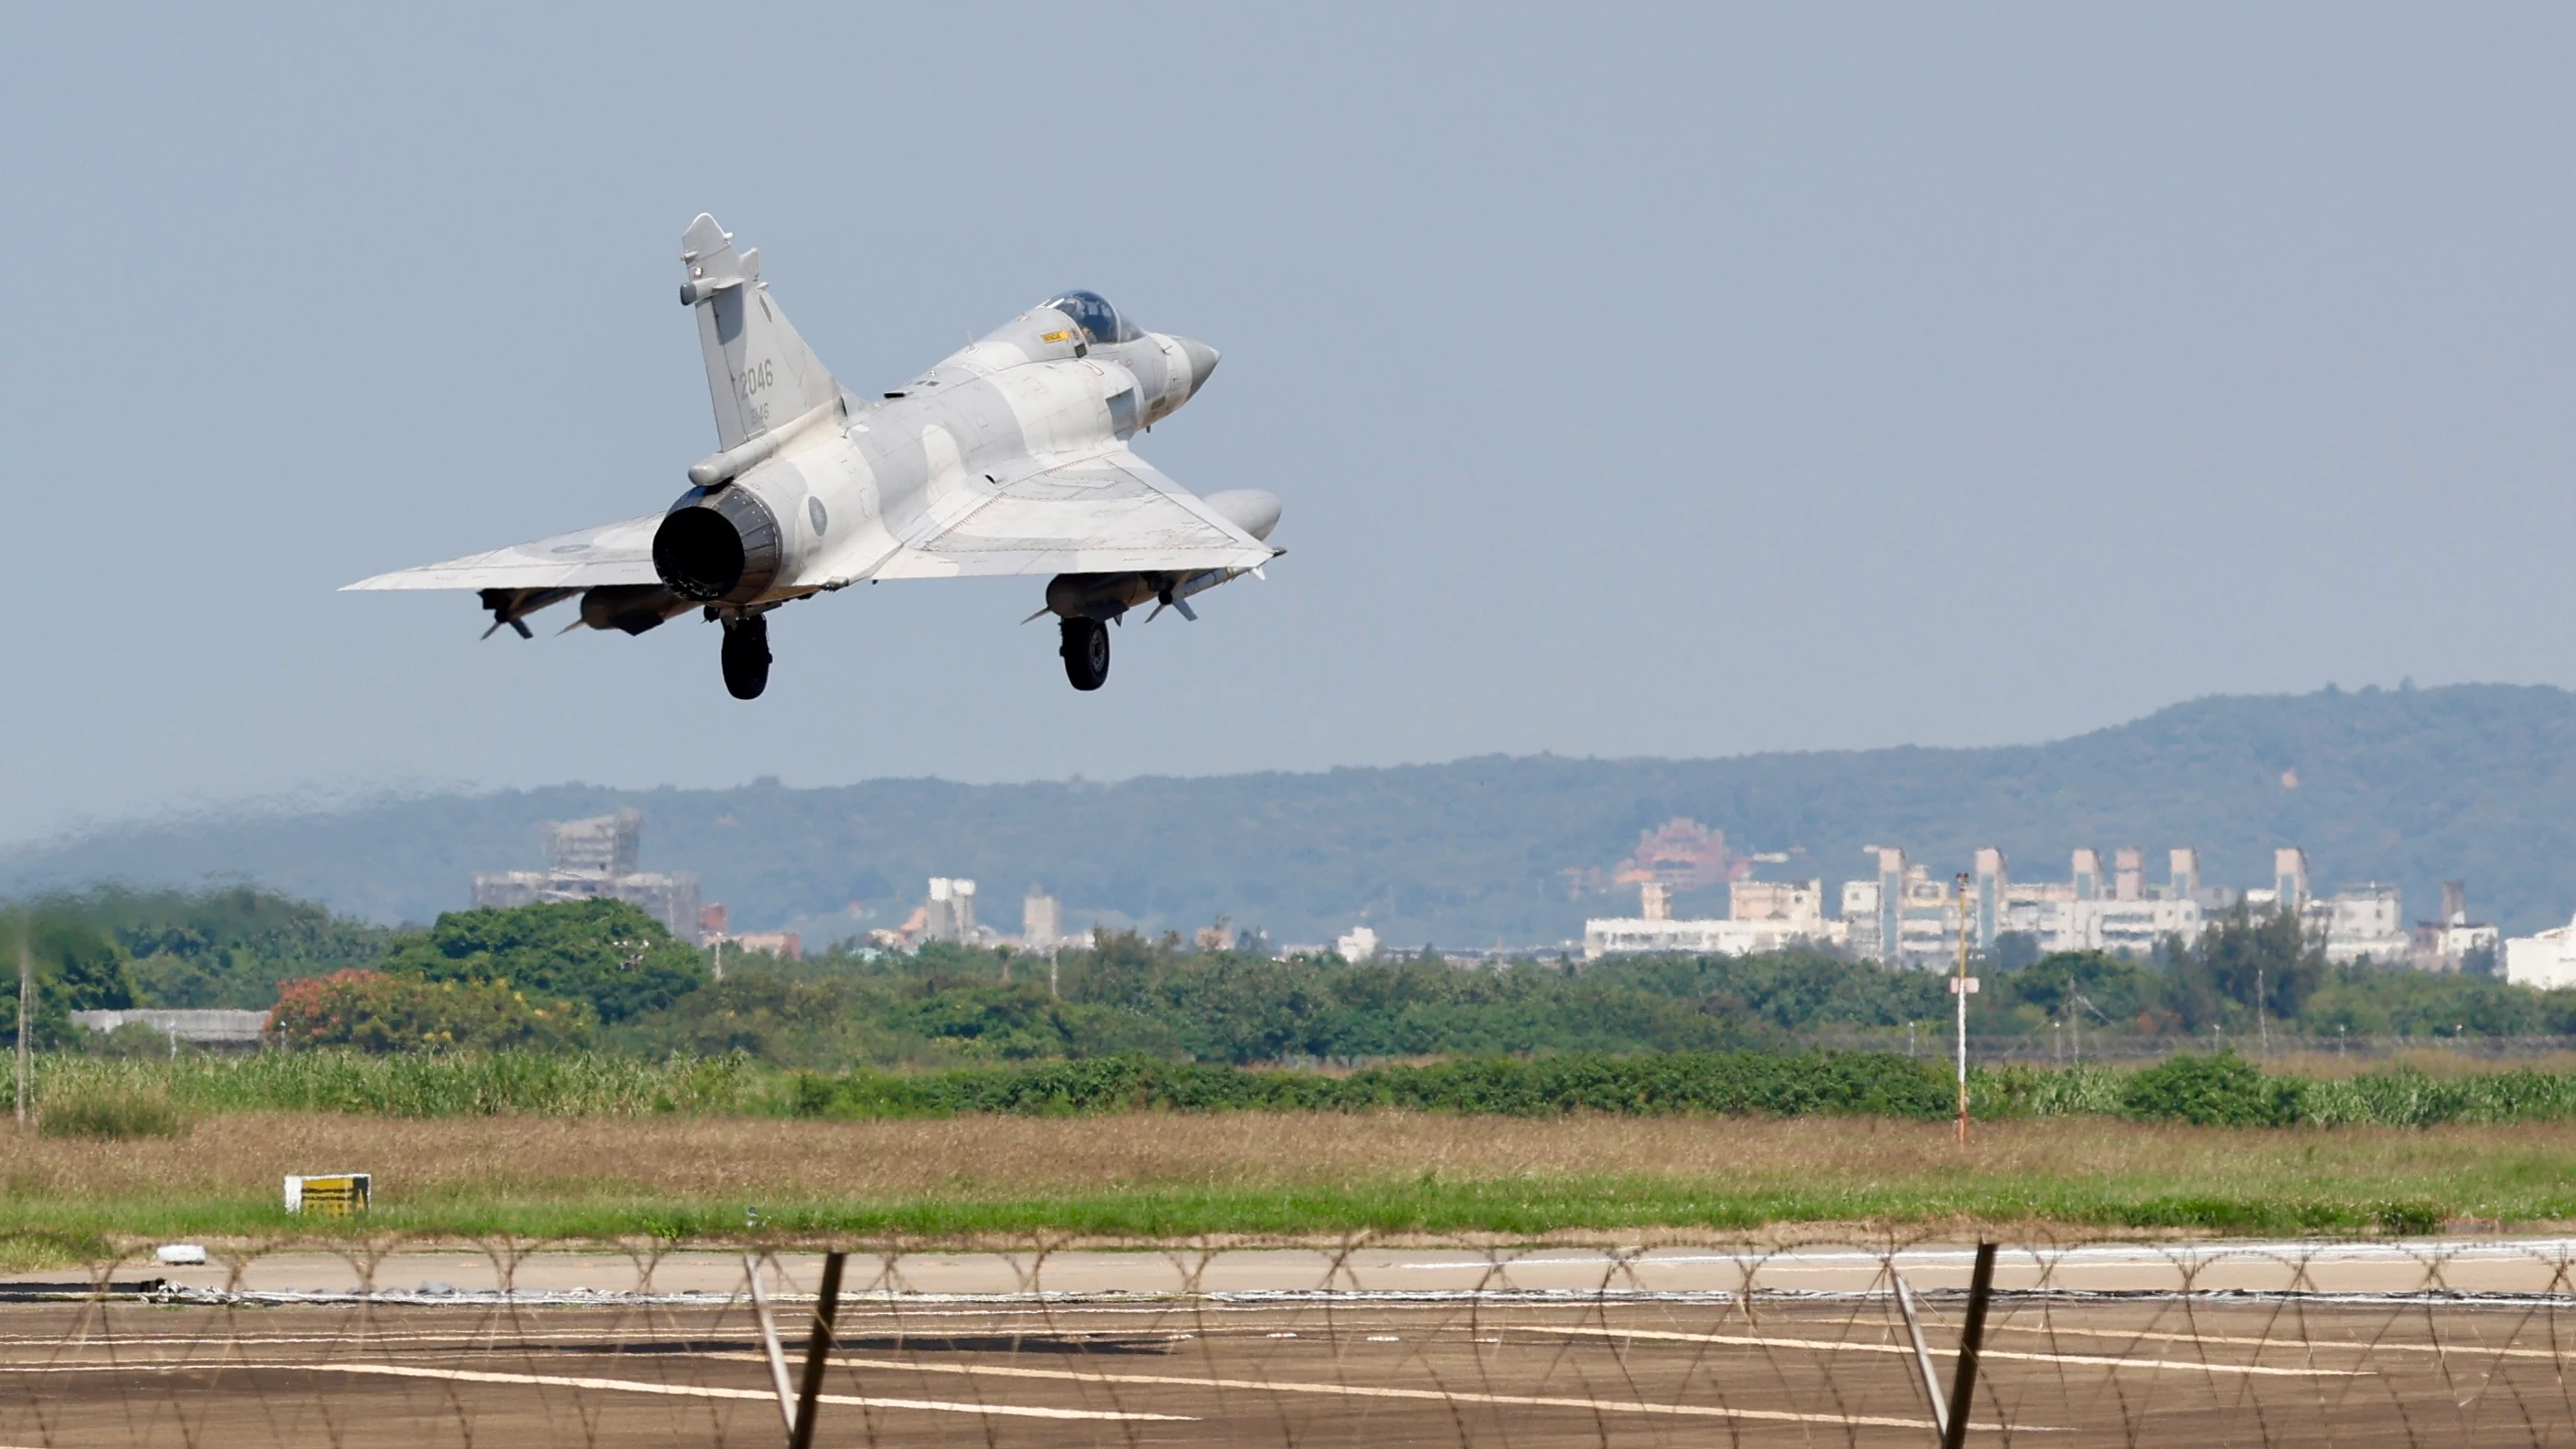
(719, 547)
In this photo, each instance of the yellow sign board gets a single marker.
(331, 1195)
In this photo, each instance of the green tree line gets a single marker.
(601, 975)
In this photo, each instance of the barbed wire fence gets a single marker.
(380, 1341)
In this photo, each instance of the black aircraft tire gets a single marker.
(1086, 653)
(746, 657)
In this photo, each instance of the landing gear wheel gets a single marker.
(746, 656)
(1086, 653)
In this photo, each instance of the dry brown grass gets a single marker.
(244, 1154)
(2466, 1060)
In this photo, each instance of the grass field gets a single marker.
(106, 1092)
(1157, 1176)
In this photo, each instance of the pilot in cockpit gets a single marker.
(1101, 323)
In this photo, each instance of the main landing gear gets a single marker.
(1086, 652)
(746, 656)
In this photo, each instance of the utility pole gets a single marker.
(1960, 986)
(26, 1006)
(2262, 1028)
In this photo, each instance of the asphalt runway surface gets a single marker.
(1307, 1350)
(2394, 1266)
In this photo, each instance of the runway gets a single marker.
(1384, 1346)
(2368, 1267)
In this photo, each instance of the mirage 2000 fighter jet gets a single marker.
(1009, 457)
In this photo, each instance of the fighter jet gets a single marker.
(1010, 457)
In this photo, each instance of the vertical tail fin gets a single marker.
(759, 372)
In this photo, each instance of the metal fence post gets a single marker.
(769, 1343)
(1971, 1335)
(818, 1351)
(1922, 1356)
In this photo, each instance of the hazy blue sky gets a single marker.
(1679, 381)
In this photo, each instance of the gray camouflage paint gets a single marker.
(1009, 456)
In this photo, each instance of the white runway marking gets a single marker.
(628, 1386)
(1837, 1345)
(1454, 1396)
(2309, 1344)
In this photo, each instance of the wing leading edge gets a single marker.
(1114, 513)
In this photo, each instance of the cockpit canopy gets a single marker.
(1101, 323)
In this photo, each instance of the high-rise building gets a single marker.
(1990, 895)
(1656, 900)
(2290, 879)
(1861, 920)
(950, 914)
(2088, 874)
(2183, 883)
(601, 845)
(1891, 900)
(596, 859)
(1041, 921)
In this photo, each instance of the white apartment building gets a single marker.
(1760, 916)
(2116, 910)
(2127, 919)
(2367, 920)
(2547, 960)
(1909, 915)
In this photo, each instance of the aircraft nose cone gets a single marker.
(1202, 362)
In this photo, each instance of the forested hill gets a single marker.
(2410, 786)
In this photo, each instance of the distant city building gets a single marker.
(950, 912)
(1041, 921)
(2455, 942)
(2366, 921)
(785, 945)
(1800, 903)
(1909, 916)
(197, 1027)
(2080, 916)
(596, 859)
(2547, 960)
(610, 845)
(2290, 879)
(1860, 919)
(1760, 916)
